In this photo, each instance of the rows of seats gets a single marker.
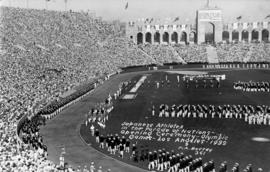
(192, 53)
(243, 52)
(43, 55)
(47, 53)
(161, 53)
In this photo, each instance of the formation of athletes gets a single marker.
(168, 160)
(253, 115)
(252, 86)
(197, 81)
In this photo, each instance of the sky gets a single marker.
(250, 10)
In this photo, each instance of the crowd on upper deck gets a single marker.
(47, 53)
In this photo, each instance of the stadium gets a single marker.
(80, 93)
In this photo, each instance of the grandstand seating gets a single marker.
(46, 53)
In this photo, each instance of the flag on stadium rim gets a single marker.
(268, 16)
(176, 19)
(239, 17)
(126, 7)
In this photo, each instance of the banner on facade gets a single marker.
(148, 28)
(183, 27)
(174, 27)
(245, 25)
(209, 15)
(235, 25)
(255, 25)
(165, 27)
(265, 24)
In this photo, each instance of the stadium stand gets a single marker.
(47, 53)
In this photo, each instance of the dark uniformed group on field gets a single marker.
(252, 86)
(160, 160)
(204, 83)
(259, 115)
(164, 160)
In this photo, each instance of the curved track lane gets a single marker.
(63, 130)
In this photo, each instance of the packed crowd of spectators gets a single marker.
(43, 55)
(162, 53)
(192, 53)
(47, 53)
(243, 52)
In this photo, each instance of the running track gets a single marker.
(63, 130)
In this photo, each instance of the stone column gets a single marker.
(169, 39)
(260, 36)
(240, 36)
(179, 37)
(143, 37)
(187, 37)
(161, 37)
(230, 36)
(152, 38)
(249, 36)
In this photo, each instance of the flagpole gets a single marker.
(65, 5)
(46, 5)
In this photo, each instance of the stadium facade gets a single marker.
(154, 31)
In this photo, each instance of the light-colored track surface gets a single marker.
(63, 130)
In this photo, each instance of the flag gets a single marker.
(47, 0)
(152, 19)
(176, 19)
(146, 20)
(126, 7)
(239, 17)
(268, 16)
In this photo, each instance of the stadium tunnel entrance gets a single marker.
(265, 35)
(245, 36)
(148, 38)
(174, 38)
(165, 37)
(139, 38)
(209, 33)
(157, 37)
(225, 36)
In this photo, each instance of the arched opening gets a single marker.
(165, 37)
(148, 38)
(245, 35)
(183, 37)
(139, 38)
(192, 37)
(265, 35)
(255, 35)
(175, 38)
(225, 36)
(209, 33)
(235, 36)
(157, 37)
